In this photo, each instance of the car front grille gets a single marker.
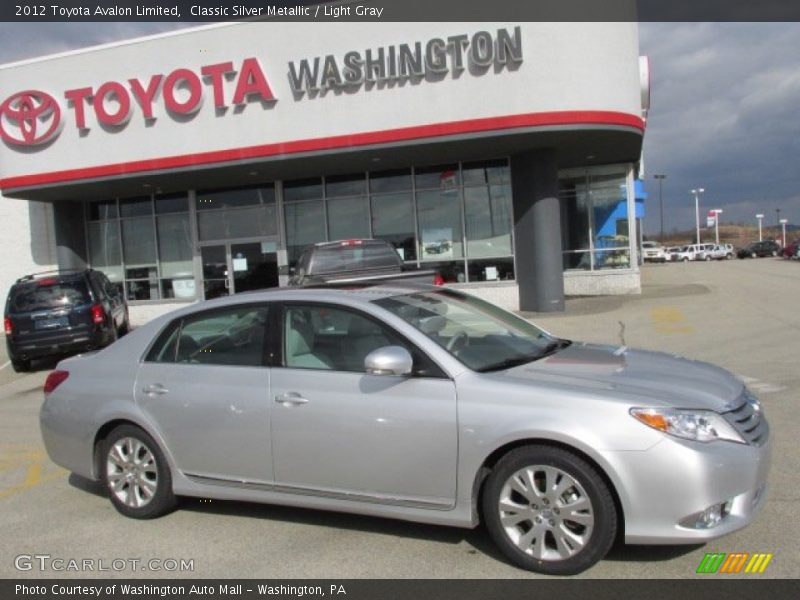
(748, 419)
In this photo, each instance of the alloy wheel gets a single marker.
(132, 472)
(546, 513)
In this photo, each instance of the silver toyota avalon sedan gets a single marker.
(423, 404)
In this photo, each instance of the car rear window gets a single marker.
(333, 259)
(48, 294)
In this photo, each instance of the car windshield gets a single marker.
(480, 335)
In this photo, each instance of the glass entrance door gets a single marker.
(215, 271)
(238, 267)
(255, 266)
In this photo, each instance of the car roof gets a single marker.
(363, 293)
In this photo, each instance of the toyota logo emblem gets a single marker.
(29, 118)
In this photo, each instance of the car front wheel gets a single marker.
(136, 474)
(549, 511)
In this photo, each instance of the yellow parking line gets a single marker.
(669, 320)
(32, 468)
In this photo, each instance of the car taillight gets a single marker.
(55, 379)
(438, 279)
(98, 314)
(9, 326)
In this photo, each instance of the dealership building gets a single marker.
(190, 165)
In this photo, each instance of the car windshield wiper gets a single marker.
(551, 348)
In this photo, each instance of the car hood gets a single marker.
(656, 378)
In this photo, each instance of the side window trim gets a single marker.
(281, 335)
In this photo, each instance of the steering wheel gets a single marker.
(458, 342)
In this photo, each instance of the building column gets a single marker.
(70, 235)
(537, 231)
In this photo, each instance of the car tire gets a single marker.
(685, 259)
(125, 328)
(774, 253)
(729, 256)
(707, 257)
(20, 365)
(135, 473)
(542, 536)
(753, 255)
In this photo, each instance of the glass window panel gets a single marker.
(136, 207)
(488, 219)
(235, 197)
(245, 222)
(481, 173)
(105, 209)
(451, 271)
(612, 259)
(138, 242)
(491, 269)
(393, 221)
(439, 214)
(577, 261)
(142, 289)
(234, 223)
(609, 205)
(574, 197)
(390, 181)
(348, 218)
(104, 249)
(302, 189)
(442, 177)
(172, 203)
(175, 246)
(305, 224)
(179, 289)
(345, 185)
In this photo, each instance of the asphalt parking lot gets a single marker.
(741, 314)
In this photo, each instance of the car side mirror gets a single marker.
(389, 360)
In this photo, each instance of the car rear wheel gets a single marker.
(136, 474)
(753, 255)
(707, 257)
(774, 253)
(685, 259)
(729, 256)
(549, 511)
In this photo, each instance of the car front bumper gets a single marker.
(666, 488)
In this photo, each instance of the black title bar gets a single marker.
(400, 10)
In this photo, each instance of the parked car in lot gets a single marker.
(418, 403)
(671, 253)
(790, 251)
(721, 252)
(760, 249)
(60, 312)
(653, 252)
(693, 252)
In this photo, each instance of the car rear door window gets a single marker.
(233, 337)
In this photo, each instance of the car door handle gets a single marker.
(290, 398)
(155, 389)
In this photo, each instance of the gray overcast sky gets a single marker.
(724, 114)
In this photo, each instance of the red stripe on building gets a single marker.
(386, 136)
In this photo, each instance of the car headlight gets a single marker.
(695, 425)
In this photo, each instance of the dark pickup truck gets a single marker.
(355, 261)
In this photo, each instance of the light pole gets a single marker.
(783, 223)
(717, 212)
(697, 193)
(660, 179)
(760, 218)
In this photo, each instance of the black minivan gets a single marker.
(62, 312)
